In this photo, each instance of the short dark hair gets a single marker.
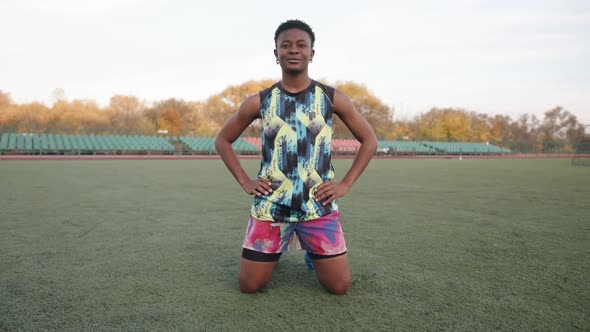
(295, 24)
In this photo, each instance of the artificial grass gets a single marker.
(433, 245)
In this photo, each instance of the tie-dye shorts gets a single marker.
(322, 236)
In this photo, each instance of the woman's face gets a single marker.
(294, 50)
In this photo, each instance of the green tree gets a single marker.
(559, 125)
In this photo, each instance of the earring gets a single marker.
(277, 61)
(310, 60)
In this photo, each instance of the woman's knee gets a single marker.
(254, 275)
(339, 287)
(248, 285)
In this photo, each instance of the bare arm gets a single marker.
(231, 130)
(360, 128)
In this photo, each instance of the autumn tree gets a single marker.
(5, 100)
(200, 123)
(455, 124)
(432, 125)
(182, 107)
(7, 112)
(377, 113)
(403, 130)
(480, 128)
(129, 115)
(223, 105)
(125, 114)
(79, 117)
(31, 118)
(500, 129)
(171, 121)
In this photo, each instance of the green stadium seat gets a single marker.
(28, 142)
(76, 142)
(20, 142)
(36, 142)
(52, 144)
(12, 142)
(103, 144)
(4, 141)
(87, 143)
(116, 143)
(66, 142)
(59, 143)
(44, 142)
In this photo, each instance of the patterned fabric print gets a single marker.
(267, 237)
(296, 158)
(322, 236)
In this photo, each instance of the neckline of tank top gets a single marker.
(293, 94)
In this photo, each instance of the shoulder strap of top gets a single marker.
(265, 92)
(328, 90)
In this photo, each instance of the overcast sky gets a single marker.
(506, 57)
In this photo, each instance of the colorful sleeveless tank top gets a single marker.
(296, 156)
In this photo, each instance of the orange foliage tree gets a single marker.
(170, 120)
(377, 113)
(131, 116)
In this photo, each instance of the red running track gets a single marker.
(256, 157)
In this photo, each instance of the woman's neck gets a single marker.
(295, 83)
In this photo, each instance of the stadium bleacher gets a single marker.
(405, 148)
(207, 145)
(59, 144)
(345, 145)
(47, 143)
(256, 141)
(465, 148)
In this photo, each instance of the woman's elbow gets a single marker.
(220, 142)
(371, 143)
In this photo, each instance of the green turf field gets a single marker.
(452, 245)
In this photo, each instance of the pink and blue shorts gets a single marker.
(319, 237)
